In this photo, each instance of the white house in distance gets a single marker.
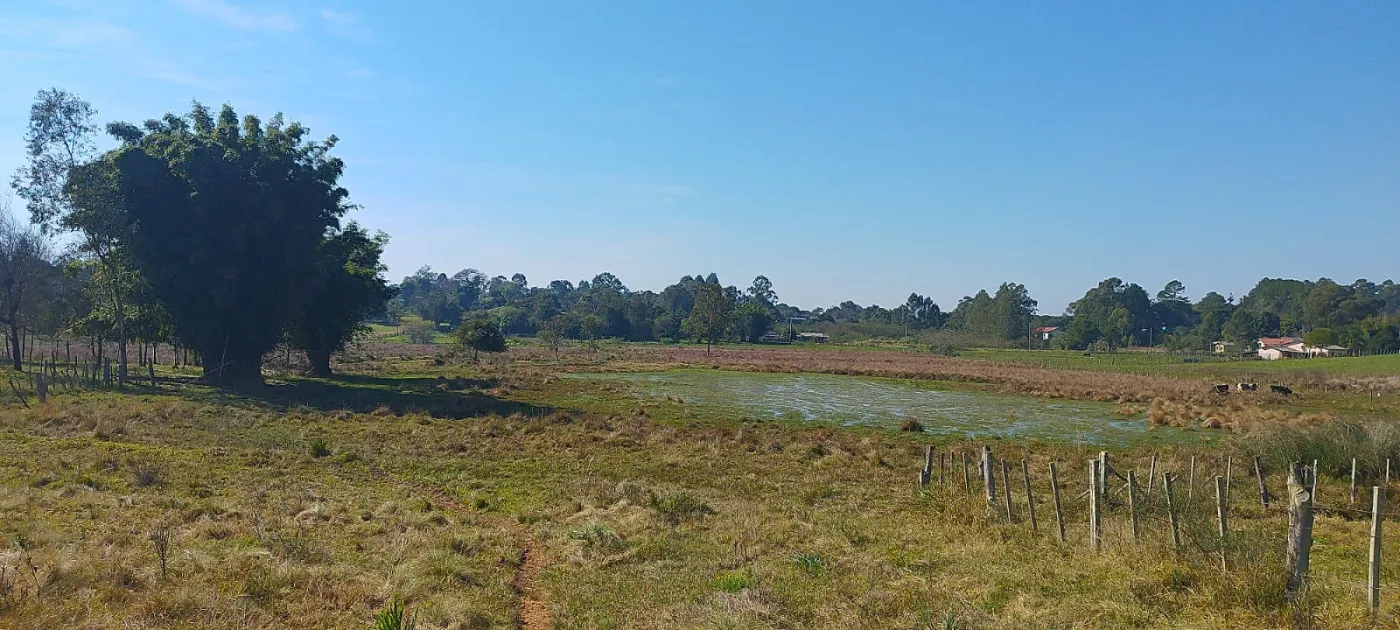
(1047, 333)
(1274, 348)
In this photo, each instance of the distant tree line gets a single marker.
(1362, 315)
(219, 234)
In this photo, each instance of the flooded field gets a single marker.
(851, 400)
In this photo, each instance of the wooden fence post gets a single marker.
(1151, 473)
(942, 469)
(928, 468)
(1171, 511)
(967, 481)
(1300, 530)
(151, 367)
(989, 479)
(1222, 494)
(1263, 490)
(1132, 502)
(1055, 492)
(1094, 522)
(1030, 498)
(1353, 481)
(41, 387)
(1191, 481)
(1312, 490)
(1373, 577)
(1103, 473)
(1229, 466)
(1006, 488)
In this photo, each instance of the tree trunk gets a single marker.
(320, 361)
(121, 340)
(18, 356)
(233, 369)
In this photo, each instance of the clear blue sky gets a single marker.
(846, 150)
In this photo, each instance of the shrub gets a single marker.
(395, 617)
(810, 563)
(680, 507)
(320, 447)
(419, 332)
(146, 475)
(598, 537)
(733, 581)
(911, 425)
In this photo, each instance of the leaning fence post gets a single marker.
(1300, 530)
(1373, 578)
(1132, 502)
(989, 479)
(1171, 511)
(1094, 523)
(1055, 492)
(1030, 498)
(1263, 490)
(1221, 497)
(1006, 488)
(1229, 465)
(1151, 472)
(1191, 481)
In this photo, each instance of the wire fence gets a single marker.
(1163, 507)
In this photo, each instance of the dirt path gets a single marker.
(533, 613)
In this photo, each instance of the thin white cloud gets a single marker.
(91, 36)
(238, 17)
(88, 38)
(346, 25)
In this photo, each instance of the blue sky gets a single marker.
(846, 150)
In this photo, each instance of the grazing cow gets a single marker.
(1246, 387)
(1280, 389)
(1222, 388)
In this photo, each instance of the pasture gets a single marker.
(533, 490)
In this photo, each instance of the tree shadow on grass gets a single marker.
(436, 397)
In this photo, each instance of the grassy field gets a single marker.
(501, 496)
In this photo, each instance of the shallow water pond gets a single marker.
(854, 400)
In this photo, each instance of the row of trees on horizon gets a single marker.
(1363, 315)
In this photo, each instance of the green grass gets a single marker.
(650, 517)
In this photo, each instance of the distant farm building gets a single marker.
(1274, 348)
(1047, 333)
(1223, 347)
(814, 337)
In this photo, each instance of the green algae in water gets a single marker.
(853, 400)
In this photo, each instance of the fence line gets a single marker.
(1301, 504)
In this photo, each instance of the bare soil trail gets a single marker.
(533, 611)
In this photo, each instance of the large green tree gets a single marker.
(347, 286)
(226, 224)
(711, 314)
(66, 191)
